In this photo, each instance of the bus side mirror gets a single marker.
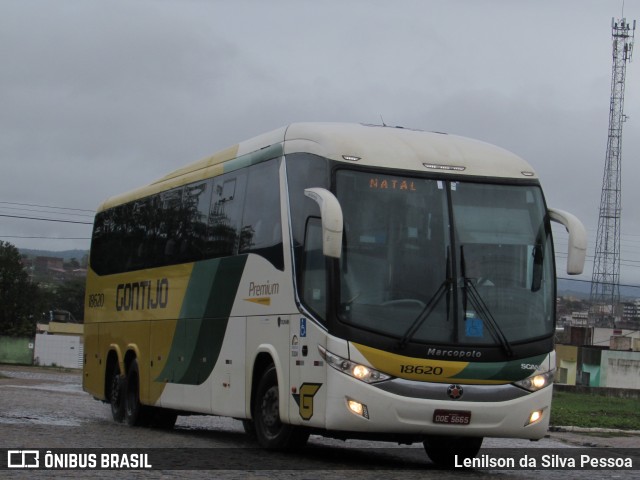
(577, 239)
(331, 214)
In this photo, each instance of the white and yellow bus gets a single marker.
(353, 281)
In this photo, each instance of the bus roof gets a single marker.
(397, 147)
(372, 145)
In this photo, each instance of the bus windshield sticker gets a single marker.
(473, 327)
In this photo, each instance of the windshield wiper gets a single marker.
(428, 309)
(485, 315)
(470, 293)
(433, 303)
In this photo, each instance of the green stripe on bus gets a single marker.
(511, 371)
(262, 155)
(203, 320)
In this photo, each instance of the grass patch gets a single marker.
(594, 411)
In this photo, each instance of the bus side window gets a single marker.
(100, 243)
(314, 273)
(172, 225)
(139, 234)
(225, 215)
(196, 200)
(261, 231)
(122, 237)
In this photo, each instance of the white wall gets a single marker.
(620, 369)
(602, 336)
(59, 350)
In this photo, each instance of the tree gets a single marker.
(71, 264)
(70, 296)
(18, 296)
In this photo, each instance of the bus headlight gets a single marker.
(360, 372)
(536, 382)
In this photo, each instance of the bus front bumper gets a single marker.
(356, 406)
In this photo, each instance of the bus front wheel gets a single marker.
(269, 429)
(443, 450)
(163, 418)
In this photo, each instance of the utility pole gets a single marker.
(605, 281)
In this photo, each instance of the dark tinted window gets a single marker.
(261, 230)
(171, 228)
(303, 171)
(313, 277)
(204, 219)
(225, 215)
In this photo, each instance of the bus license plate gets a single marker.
(453, 417)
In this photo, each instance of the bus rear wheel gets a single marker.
(443, 450)
(117, 395)
(136, 414)
(269, 429)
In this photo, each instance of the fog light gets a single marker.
(358, 408)
(534, 417)
(355, 407)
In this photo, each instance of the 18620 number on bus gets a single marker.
(421, 369)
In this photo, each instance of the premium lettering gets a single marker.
(263, 289)
(144, 295)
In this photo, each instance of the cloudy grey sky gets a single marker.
(98, 97)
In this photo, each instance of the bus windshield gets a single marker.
(444, 262)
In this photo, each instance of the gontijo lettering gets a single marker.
(143, 295)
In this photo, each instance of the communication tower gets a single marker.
(605, 281)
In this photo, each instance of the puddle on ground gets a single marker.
(61, 377)
(64, 387)
(24, 417)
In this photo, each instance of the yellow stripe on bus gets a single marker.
(259, 300)
(411, 368)
(430, 370)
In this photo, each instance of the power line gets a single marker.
(590, 258)
(47, 219)
(589, 281)
(36, 210)
(46, 238)
(47, 206)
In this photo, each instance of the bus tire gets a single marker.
(117, 395)
(249, 428)
(269, 429)
(163, 418)
(442, 450)
(136, 414)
